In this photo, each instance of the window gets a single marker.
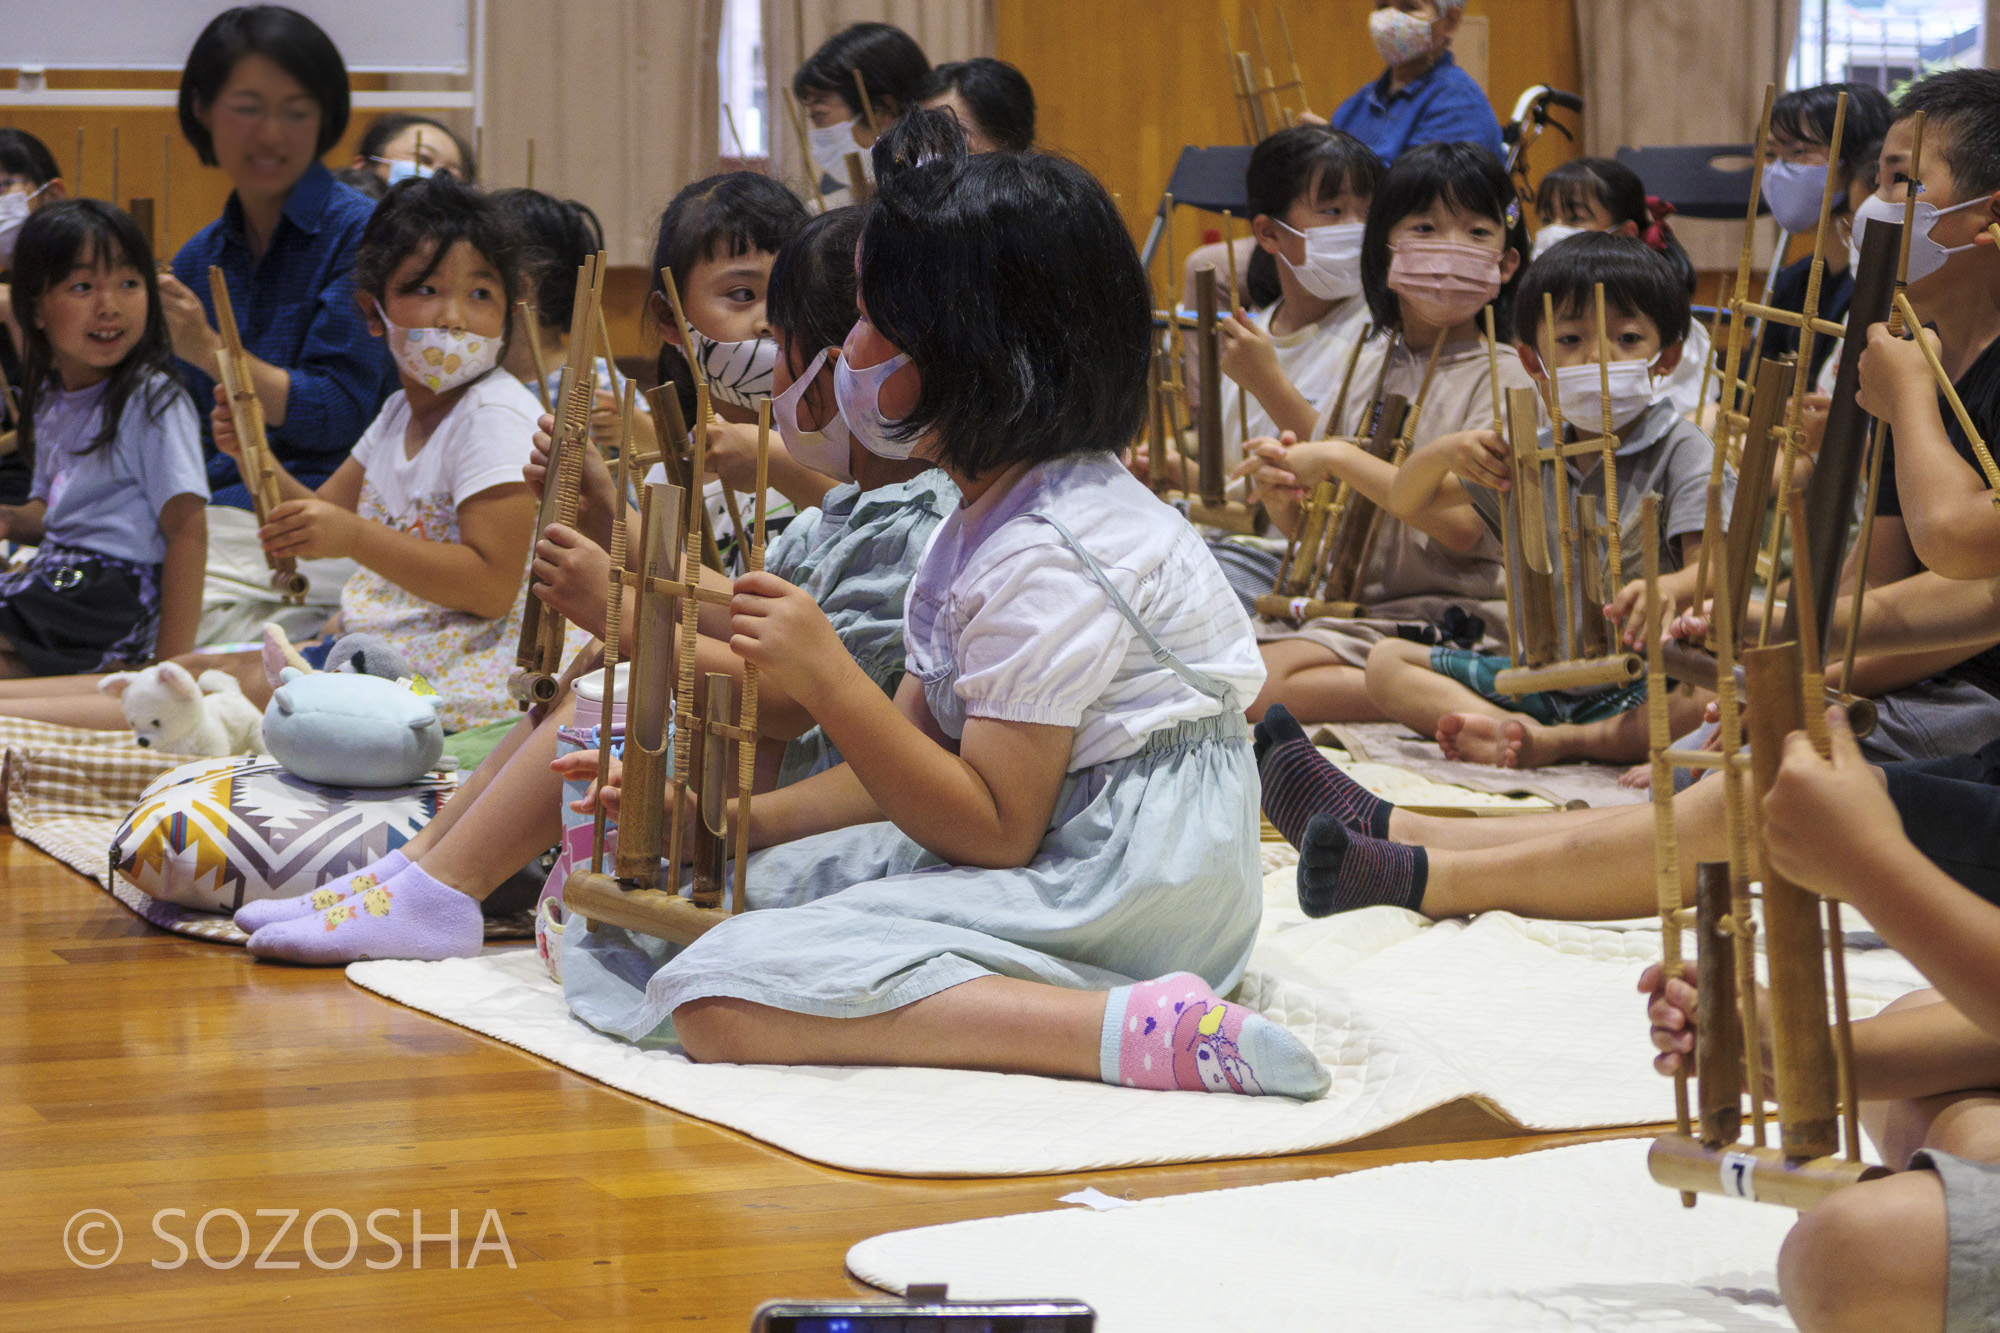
(1885, 43)
(740, 62)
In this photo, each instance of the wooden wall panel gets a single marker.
(1123, 85)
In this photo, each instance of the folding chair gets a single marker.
(1210, 179)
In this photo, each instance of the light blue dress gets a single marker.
(1149, 865)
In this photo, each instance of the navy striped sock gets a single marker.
(1340, 870)
(1300, 783)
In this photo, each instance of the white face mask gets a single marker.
(1332, 270)
(1552, 235)
(1580, 391)
(1926, 255)
(830, 145)
(402, 169)
(824, 451)
(14, 210)
(441, 359)
(859, 394)
(1794, 190)
(737, 372)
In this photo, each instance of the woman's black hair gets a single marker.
(890, 61)
(556, 236)
(1465, 177)
(1638, 280)
(735, 213)
(289, 40)
(436, 212)
(998, 95)
(383, 132)
(22, 154)
(1806, 114)
(1287, 164)
(1012, 284)
(1619, 191)
(54, 242)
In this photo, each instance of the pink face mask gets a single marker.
(1444, 283)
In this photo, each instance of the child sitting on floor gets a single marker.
(1444, 240)
(1919, 1249)
(116, 508)
(1060, 801)
(855, 556)
(1453, 488)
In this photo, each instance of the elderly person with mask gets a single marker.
(1423, 96)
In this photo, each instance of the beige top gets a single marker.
(1404, 562)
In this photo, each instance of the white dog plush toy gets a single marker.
(172, 711)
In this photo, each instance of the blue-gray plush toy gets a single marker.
(348, 730)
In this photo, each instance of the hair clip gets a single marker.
(1514, 213)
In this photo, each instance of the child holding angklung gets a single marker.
(116, 506)
(1453, 488)
(1040, 856)
(1603, 194)
(1444, 240)
(1919, 1249)
(1309, 188)
(855, 556)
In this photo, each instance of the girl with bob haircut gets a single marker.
(1444, 240)
(992, 100)
(891, 64)
(1039, 857)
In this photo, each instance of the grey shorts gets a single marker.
(1972, 1222)
(1933, 719)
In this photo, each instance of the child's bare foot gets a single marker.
(1639, 777)
(1475, 738)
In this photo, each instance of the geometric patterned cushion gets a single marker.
(218, 833)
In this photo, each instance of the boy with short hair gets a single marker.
(1456, 484)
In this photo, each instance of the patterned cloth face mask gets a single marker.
(859, 393)
(825, 450)
(1399, 38)
(441, 359)
(737, 372)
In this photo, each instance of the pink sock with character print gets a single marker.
(1176, 1033)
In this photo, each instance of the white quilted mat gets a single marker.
(1574, 1238)
(1538, 1021)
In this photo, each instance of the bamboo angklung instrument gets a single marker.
(676, 451)
(1811, 1060)
(614, 608)
(805, 149)
(1247, 109)
(1572, 617)
(1298, 574)
(1214, 507)
(701, 778)
(532, 328)
(246, 413)
(538, 661)
(697, 483)
(1298, 82)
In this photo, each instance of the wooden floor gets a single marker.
(141, 1071)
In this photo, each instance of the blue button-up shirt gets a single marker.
(1444, 106)
(295, 309)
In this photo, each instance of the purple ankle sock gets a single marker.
(253, 917)
(411, 916)
(1299, 782)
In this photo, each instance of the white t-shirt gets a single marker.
(482, 443)
(1313, 359)
(1035, 639)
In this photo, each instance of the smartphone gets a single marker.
(1052, 1316)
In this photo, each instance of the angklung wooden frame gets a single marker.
(1811, 1058)
(1254, 82)
(246, 413)
(696, 794)
(1327, 563)
(538, 661)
